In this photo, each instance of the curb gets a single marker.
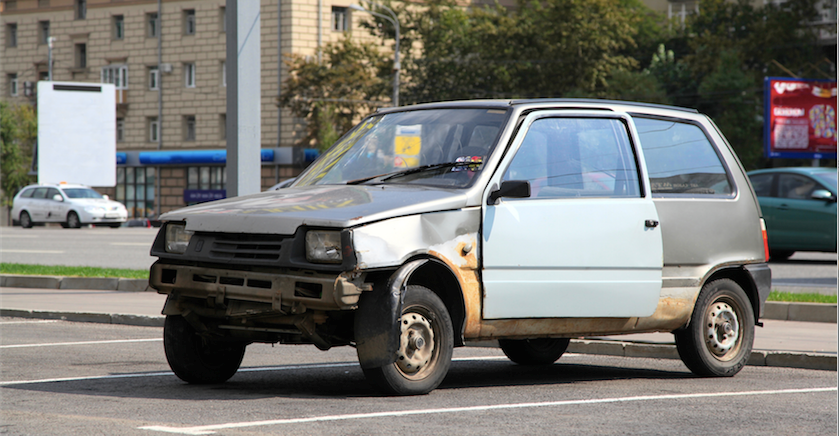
(777, 359)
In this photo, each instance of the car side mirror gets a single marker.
(106, 197)
(57, 197)
(823, 194)
(510, 189)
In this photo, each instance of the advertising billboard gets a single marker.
(800, 118)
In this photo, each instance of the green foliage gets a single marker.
(805, 297)
(18, 133)
(71, 271)
(332, 95)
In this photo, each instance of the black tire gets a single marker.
(25, 220)
(73, 221)
(718, 340)
(425, 349)
(115, 225)
(542, 351)
(195, 359)
(780, 254)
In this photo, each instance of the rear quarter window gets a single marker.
(681, 159)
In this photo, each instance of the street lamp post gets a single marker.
(50, 44)
(395, 21)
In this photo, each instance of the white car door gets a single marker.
(586, 241)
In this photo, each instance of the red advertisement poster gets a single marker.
(800, 118)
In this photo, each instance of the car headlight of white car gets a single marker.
(94, 209)
(177, 238)
(323, 246)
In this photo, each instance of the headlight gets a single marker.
(323, 246)
(94, 209)
(177, 238)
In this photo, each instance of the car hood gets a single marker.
(282, 211)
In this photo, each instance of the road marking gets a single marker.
(46, 321)
(210, 429)
(18, 236)
(136, 244)
(55, 344)
(32, 251)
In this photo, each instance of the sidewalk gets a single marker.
(793, 344)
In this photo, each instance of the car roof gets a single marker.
(585, 103)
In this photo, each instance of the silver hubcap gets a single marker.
(416, 344)
(722, 332)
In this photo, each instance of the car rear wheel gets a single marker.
(25, 220)
(542, 351)
(196, 359)
(718, 340)
(425, 347)
(73, 221)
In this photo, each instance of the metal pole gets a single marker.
(157, 197)
(395, 21)
(50, 44)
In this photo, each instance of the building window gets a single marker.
(189, 75)
(81, 55)
(10, 5)
(43, 3)
(223, 19)
(154, 129)
(116, 75)
(224, 73)
(135, 189)
(13, 85)
(222, 126)
(119, 27)
(154, 78)
(206, 178)
(152, 25)
(189, 128)
(189, 22)
(43, 75)
(11, 35)
(43, 32)
(81, 9)
(339, 19)
(120, 129)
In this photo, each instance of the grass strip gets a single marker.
(807, 297)
(71, 271)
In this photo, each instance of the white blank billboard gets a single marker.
(77, 133)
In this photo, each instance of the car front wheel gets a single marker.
(73, 221)
(718, 340)
(196, 359)
(425, 347)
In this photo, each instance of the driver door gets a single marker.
(586, 241)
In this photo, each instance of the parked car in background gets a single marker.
(70, 205)
(799, 207)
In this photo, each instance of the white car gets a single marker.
(70, 205)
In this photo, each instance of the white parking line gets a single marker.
(45, 321)
(32, 251)
(55, 344)
(210, 429)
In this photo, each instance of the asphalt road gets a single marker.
(78, 378)
(129, 248)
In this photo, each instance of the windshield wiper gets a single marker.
(408, 171)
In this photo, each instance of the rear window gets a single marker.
(680, 159)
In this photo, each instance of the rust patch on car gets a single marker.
(465, 266)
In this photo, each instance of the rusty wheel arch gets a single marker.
(436, 276)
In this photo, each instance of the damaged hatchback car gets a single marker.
(528, 222)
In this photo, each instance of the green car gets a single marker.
(799, 207)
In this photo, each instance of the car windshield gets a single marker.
(81, 193)
(442, 147)
(827, 178)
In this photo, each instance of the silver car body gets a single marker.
(518, 268)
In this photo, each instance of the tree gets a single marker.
(18, 133)
(332, 95)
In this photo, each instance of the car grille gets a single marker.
(233, 247)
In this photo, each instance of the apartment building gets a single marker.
(116, 41)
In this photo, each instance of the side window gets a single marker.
(569, 157)
(762, 184)
(27, 193)
(52, 192)
(40, 193)
(681, 159)
(796, 187)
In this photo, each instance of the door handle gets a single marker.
(651, 223)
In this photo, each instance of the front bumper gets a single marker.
(245, 293)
